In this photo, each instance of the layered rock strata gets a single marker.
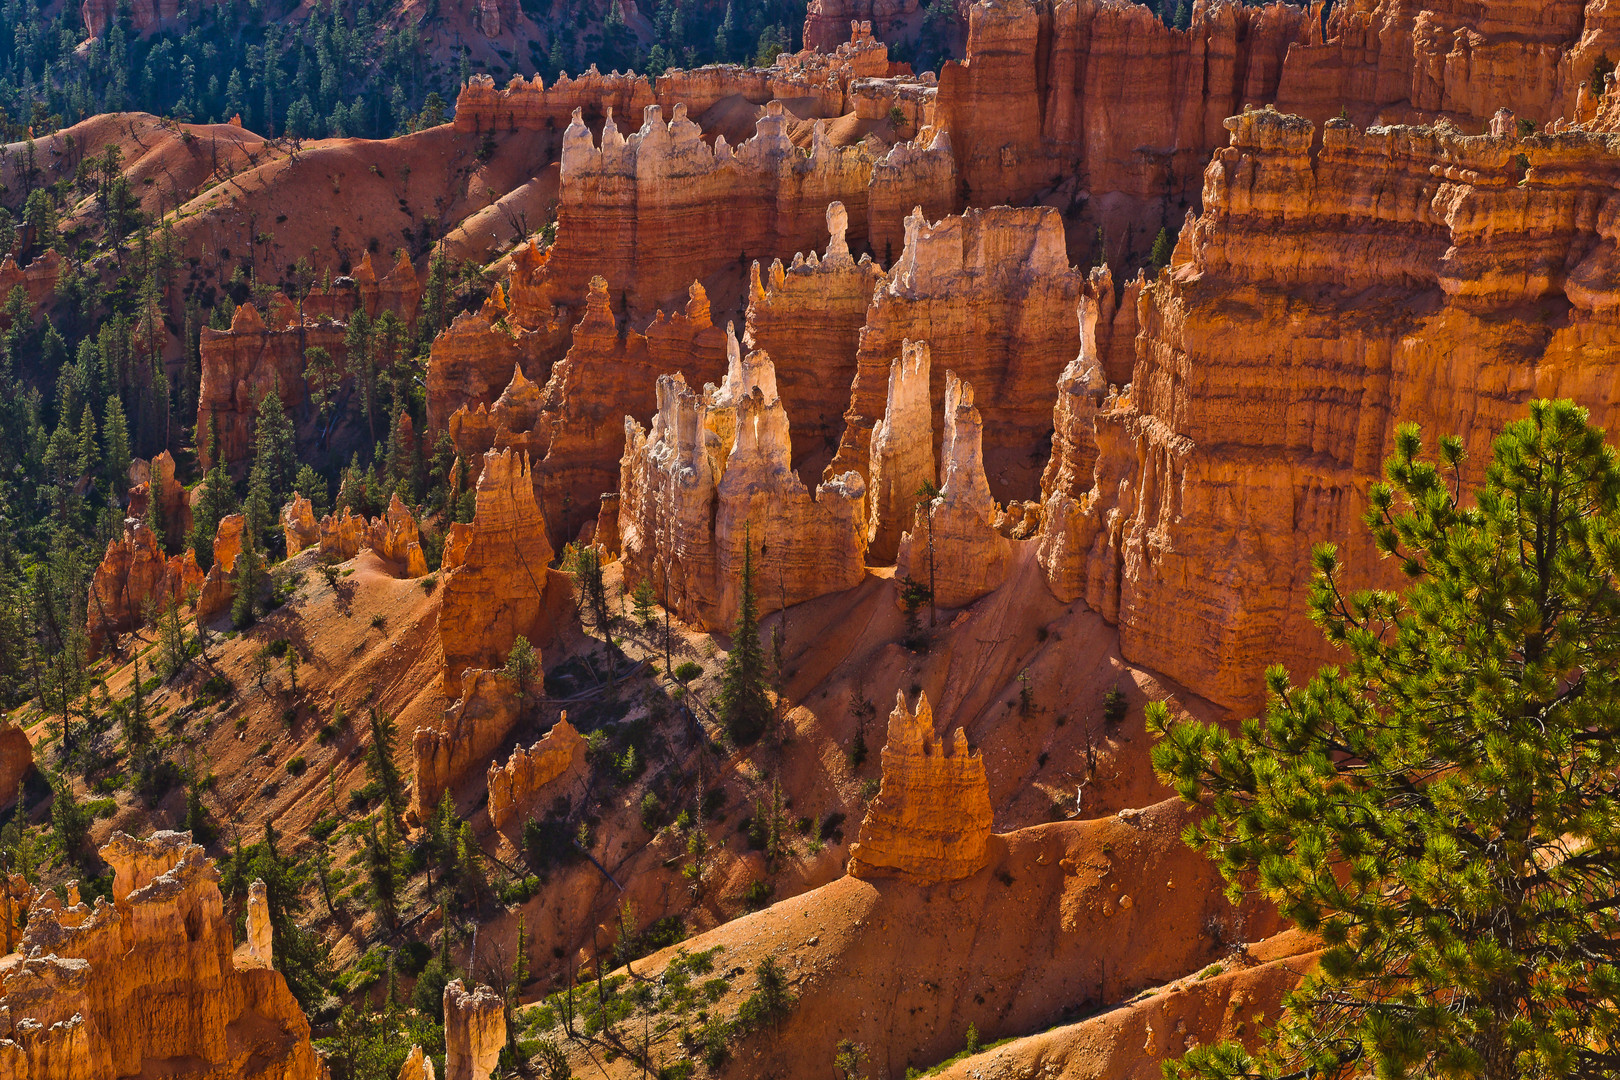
(474, 1032)
(808, 317)
(497, 592)
(133, 577)
(930, 821)
(992, 294)
(146, 985)
(713, 481)
(902, 459)
(652, 211)
(1380, 279)
(531, 778)
(954, 544)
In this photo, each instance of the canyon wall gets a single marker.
(992, 294)
(1321, 298)
(146, 985)
(660, 207)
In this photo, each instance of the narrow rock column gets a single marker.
(902, 452)
(474, 1032)
(259, 935)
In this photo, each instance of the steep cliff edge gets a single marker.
(1321, 298)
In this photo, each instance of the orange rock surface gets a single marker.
(713, 480)
(902, 458)
(472, 727)
(498, 591)
(531, 778)
(219, 589)
(145, 981)
(653, 211)
(134, 575)
(967, 557)
(1320, 299)
(298, 524)
(931, 820)
(474, 1031)
(808, 317)
(16, 759)
(176, 508)
(993, 295)
(243, 364)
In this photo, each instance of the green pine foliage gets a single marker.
(745, 707)
(1441, 810)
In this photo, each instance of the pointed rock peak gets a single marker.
(518, 383)
(365, 274)
(958, 398)
(246, 320)
(911, 729)
(403, 271)
(756, 288)
(495, 306)
(697, 305)
(837, 232)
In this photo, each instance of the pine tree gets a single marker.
(745, 709)
(1440, 811)
(381, 872)
(311, 486)
(380, 761)
(249, 577)
(274, 451)
(1164, 245)
(115, 457)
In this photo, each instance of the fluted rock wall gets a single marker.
(490, 703)
(498, 591)
(146, 981)
(714, 480)
(827, 22)
(531, 778)
(1401, 62)
(134, 575)
(931, 819)
(243, 364)
(653, 211)
(902, 459)
(993, 295)
(967, 557)
(1257, 417)
(1103, 88)
(38, 279)
(808, 317)
(605, 375)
